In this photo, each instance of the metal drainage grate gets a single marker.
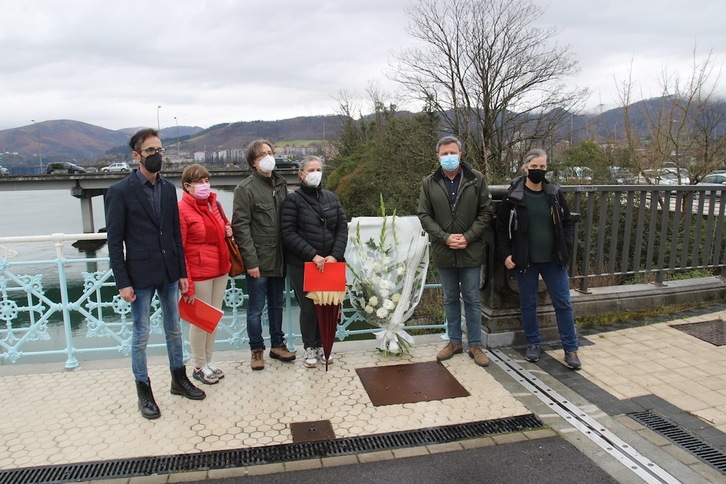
(221, 459)
(695, 446)
(713, 332)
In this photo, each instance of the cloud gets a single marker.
(209, 62)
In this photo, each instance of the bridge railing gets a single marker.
(627, 231)
(66, 305)
(57, 303)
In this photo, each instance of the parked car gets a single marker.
(716, 180)
(64, 167)
(665, 176)
(286, 163)
(4, 171)
(116, 167)
(571, 175)
(715, 177)
(621, 176)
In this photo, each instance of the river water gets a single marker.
(46, 212)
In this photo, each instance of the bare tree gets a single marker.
(491, 74)
(686, 129)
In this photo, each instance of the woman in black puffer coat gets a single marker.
(314, 229)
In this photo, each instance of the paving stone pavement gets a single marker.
(52, 416)
(91, 414)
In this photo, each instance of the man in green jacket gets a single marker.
(455, 210)
(256, 226)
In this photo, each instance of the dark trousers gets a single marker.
(308, 318)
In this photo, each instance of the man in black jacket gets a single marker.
(145, 248)
(535, 232)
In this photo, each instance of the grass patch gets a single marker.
(614, 318)
(430, 310)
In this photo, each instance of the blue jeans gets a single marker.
(462, 282)
(140, 311)
(259, 290)
(558, 285)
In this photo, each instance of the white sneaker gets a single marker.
(215, 369)
(311, 358)
(321, 356)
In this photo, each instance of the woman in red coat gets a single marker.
(203, 229)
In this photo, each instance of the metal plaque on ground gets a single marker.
(312, 431)
(713, 332)
(409, 383)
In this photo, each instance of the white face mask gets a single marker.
(313, 178)
(266, 164)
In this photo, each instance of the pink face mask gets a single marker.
(201, 191)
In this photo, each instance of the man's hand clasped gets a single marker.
(457, 241)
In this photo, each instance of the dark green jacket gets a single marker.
(256, 222)
(471, 216)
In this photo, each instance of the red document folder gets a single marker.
(200, 314)
(331, 279)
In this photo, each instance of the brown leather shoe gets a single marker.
(448, 351)
(281, 353)
(258, 359)
(477, 353)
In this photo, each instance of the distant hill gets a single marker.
(166, 133)
(60, 139)
(67, 140)
(237, 135)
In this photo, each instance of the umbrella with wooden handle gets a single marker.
(326, 288)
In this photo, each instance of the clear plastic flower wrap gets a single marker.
(387, 260)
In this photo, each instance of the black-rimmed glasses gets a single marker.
(153, 151)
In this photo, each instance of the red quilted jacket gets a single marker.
(202, 230)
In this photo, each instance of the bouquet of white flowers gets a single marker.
(387, 260)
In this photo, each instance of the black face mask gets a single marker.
(536, 176)
(153, 163)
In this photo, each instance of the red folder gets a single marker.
(200, 314)
(331, 279)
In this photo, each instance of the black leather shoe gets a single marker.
(147, 404)
(180, 385)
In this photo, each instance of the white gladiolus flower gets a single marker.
(382, 312)
(373, 301)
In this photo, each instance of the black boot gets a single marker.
(180, 385)
(147, 404)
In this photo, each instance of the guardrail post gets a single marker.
(71, 361)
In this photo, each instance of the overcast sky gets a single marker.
(205, 62)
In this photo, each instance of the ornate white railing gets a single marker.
(68, 305)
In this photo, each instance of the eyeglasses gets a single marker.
(153, 151)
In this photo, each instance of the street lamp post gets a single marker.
(178, 156)
(40, 148)
(158, 124)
